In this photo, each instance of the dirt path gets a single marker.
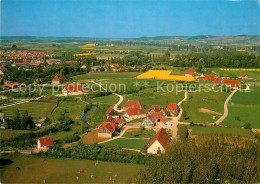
(121, 98)
(225, 109)
(208, 111)
(120, 135)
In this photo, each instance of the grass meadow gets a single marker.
(34, 169)
(198, 130)
(105, 75)
(244, 107)
(128, 143)
(213, 101)
(151, 96)
(37, 110)
(137, 133)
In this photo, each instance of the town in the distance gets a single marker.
(164, 109)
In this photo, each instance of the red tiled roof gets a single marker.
(109, 119)
(135, 111)
(11, 85)
(190, 71)
(173, 107)
(118, 121)
(162, 137)
(46, 141)
(243, 75)
(156, 108)
(124, 69)
(109, 125)
(57, 78)
(208, 77)
(3, 68)
(233, 83)
(218, 80)
(109, 110)
(154, 116)
(74, 88)
(132, 104)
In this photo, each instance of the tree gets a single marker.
(247, 126)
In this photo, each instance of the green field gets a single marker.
(72, 108)
(97, 115)
(128, 143)
(246, 106)
(34, 169)
(105, 75)
(213, 101)
(140, 134)
(198, 130)
(37, 110)
(9, 133)
(110, 99)
(150, 96)
(251, 74)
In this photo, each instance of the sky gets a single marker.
(129, 18)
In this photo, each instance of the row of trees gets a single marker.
(205, 160)
(21, 121)
(98, 152)
(230, 59)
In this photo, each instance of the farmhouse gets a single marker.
(133, 110)
(208, 77)
(173, 109)
(45, 143)
(73, 90)
(106, 129)
(58, 80)
(218, 80)
(135, 113)
(190, 72)
(243, 76)
(132, 104)
(154, 117)
(234, 84)
(159, 142)
(148, 121)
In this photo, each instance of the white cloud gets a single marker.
(258, 2)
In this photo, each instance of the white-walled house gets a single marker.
(159, 142)
(45, 143)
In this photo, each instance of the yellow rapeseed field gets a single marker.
(91, 44)
(164, 74)
(84, 54)
(240, 69)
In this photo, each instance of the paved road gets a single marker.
(225, 109)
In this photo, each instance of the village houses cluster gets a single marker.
(134, 110)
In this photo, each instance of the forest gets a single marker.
(206, 159)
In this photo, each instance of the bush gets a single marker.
(247, 126)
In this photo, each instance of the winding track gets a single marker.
(225, 109)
